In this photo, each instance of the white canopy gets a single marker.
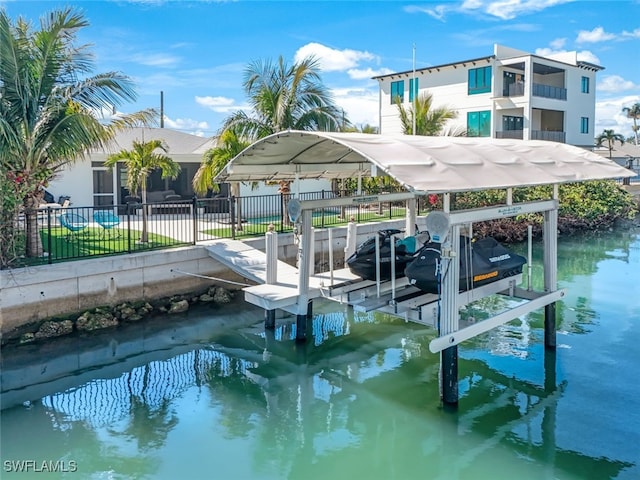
(421, 164)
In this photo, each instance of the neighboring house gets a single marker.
(626, 155)
(89, 183)
(510, 94)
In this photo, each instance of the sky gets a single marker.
(196, 52)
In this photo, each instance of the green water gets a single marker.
(211, 396)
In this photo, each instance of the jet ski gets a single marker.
(363, 261)
(490, 261)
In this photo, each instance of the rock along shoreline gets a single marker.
(104, 317)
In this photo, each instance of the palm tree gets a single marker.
(633, 112)
(139, 163)
(50, 106)
(429, 121)
(364, 128)
(228, 145)
(283, 97)
(610, 137)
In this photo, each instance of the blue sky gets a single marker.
(196, 51)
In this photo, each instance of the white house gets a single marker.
(510, 94)
(89, 183)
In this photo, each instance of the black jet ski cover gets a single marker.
(363, 261)
(490, 261)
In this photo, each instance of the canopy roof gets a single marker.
(421, 164)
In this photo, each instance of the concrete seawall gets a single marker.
(32, 294)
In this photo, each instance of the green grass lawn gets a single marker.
(93, 241)
(258, 226)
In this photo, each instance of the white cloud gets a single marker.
(217, 104)
(510, 9)
(331, 59)
(594, 36)
(156, 60)
(609, 115)
(588, 56)
(582, 56)
(634, 34)
(558, 43)
(503, 9)
(599, 35)
(615, 83)
(360, 104)
(367, 73)
(438, 12)
(189, 125)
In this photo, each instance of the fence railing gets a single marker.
(68, 233)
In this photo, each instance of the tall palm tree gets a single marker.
(228, 145)
(283, 97)
(610, 137)
(139, 163)
(50, 106)
(633, 112)
(429, 121)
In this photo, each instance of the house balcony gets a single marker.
(548, 91)
(550, 136)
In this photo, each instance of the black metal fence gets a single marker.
(67, 233)
(236, 217)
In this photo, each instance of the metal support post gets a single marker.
(550, 238)
(449, 359)
(303, 278)
(352, 240)
(271, 250)
(330, 239)
(410, 226)
(310, 310)
(449, 321)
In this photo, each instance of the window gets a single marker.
(479, 124)
(102, 188)
(510, 122)
(413, 89)
(479, 80)
(397, 92)
(584, 125)
(584, 86)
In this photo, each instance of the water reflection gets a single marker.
(201, 398)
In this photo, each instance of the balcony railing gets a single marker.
(549, 136)
(517, 134)
(548, 91)
(513, 90)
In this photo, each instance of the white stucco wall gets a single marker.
(76, 181)
(448, 84)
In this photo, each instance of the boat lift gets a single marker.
(424, 165)
(440, 312)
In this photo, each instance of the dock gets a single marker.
(251, 264)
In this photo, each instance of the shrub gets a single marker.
(584, 206)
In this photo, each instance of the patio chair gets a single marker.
(108, 220)
(73, 222)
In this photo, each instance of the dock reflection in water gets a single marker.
(215, 396)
